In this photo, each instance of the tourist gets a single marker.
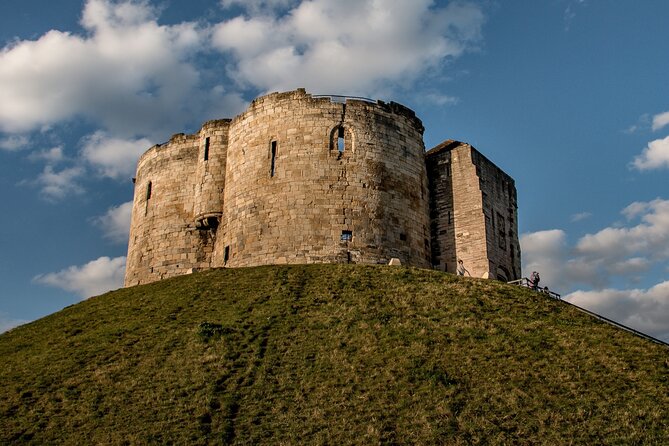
(534, 280)
(461, 269)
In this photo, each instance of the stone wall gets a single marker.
(164, 241)
(210, 173)
(473, 213)
(500, 209)
(293, 195)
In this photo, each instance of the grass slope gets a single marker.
(329, 354)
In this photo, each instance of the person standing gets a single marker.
(534, 280)
(461, 270)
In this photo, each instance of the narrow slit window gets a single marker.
(148, 190)
(226, 254)
(273, 161)
(206, 148)
(340, 140)
(346, 236)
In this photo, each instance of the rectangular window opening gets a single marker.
(403, 237)
(148, 191)
(501, 231)
(340, 140)
(226, 254)
(273, 162)
(346, 236)
(206, 148)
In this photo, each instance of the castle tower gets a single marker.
(163, 238)
(310, 179)
(298, 178)
(210, 174)
(474, 213)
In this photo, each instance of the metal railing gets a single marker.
(340, 98)
(525, 282)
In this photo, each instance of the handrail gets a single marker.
(526, 283)
(338, 96)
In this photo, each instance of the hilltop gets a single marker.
(329, 354)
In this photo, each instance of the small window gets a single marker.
(346, 236)
(340, 140)
(273, 161)
(501, 231)
(148, 190)
(403, 237)
(448, 169)
(226, 254)
(206, 148)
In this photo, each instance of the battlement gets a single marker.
(295, 178)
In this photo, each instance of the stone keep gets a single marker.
(298, 178)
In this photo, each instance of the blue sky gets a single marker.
(570, 97)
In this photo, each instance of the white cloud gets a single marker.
(56, 185)
(354, 47)
(113, 157)
(51, 156)
(546, 252)
(93, 278)
(654, 156)
(580, 216)
(650, 237)
(7, 322)
(661, 120)
(128, 74)
(14, 142)
(643, 310)
(115, 222)
(570, 12)
(620, 254)
(441, 99)
(259, 6)
(613, 253)
(643, 123)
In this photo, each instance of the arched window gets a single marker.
(341, 143)
(341, 140)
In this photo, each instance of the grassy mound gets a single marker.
(329, 354)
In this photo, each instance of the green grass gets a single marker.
(329, 354)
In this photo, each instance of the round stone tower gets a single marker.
(294, 179)
(210, 174)
(312, 179)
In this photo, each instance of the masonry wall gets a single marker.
(473, 213)
(164, 241)
(209, 180)
(292, 196)
(442, 222)
(500, 209)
